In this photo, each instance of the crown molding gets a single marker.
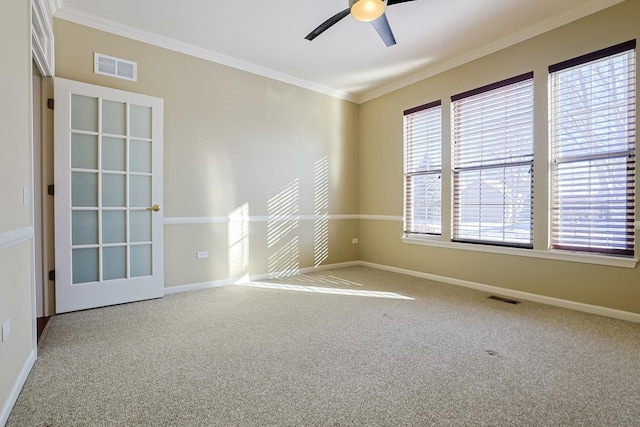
(551, 24)
(54, 6)
(88, 20)
(112, 27)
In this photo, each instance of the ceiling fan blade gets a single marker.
(327, 24)
(392, 2)
(382, 27)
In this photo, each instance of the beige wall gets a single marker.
(237, 144)
(16, 261)
(381, 169)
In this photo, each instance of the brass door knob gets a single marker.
(154, 208)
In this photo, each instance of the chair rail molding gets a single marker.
(11, 238)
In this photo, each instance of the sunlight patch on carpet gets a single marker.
(322, 290)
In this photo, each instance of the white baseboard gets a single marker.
(17, 387)
(587, 308)
(198, 286)
(254, 277)
(557, 302)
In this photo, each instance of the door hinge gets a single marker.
(50, 189)
(50, 103)
(52, 275)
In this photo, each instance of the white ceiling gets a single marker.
(349, 60)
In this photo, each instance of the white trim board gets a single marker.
(255, 218)
(78, 17)
(42, 37)
(554, 255)
(397, 218)
(584, 10)
(557, 302)
(73, 15)
(17, 387)
(15, 237)
(256, 277)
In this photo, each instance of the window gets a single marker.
(592, 131)
(423, 169)
(493, 163)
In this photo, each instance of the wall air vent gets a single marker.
(115, 67)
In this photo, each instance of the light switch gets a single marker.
(25, 196)
(6, 330)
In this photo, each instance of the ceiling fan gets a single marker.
(366, 11)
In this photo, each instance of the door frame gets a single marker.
(41, 120)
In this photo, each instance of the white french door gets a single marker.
(108, 194)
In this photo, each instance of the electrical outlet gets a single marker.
(6, 330)
(354, 241)
(202, 254)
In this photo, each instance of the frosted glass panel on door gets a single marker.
(84, 151)
(84, 227)
(140, 260)
(113, 227)
(114, 117)
(113, 190)
(140, 121)
(85, 265)
(114, 263)
(140, 230)
(84, 189)
(84, 113)
(114, 154)
(140, 156)
(140, 191)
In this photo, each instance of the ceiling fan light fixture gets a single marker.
(367, 10)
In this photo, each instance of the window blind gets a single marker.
(493, 163)
(423, 169)
(592, 131)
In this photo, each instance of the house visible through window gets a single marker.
(493, 163)
(592, 131)
(423, 169)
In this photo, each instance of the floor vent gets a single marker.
(115, 67)
(502, 299)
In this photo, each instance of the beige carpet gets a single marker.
(347, 347)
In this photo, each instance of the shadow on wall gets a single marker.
(283, 225)
(283, 228)
(321, 211)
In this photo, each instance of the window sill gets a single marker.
(530, 253)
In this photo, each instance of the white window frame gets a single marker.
(423, 160)
(492, 131)
(585, 197)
